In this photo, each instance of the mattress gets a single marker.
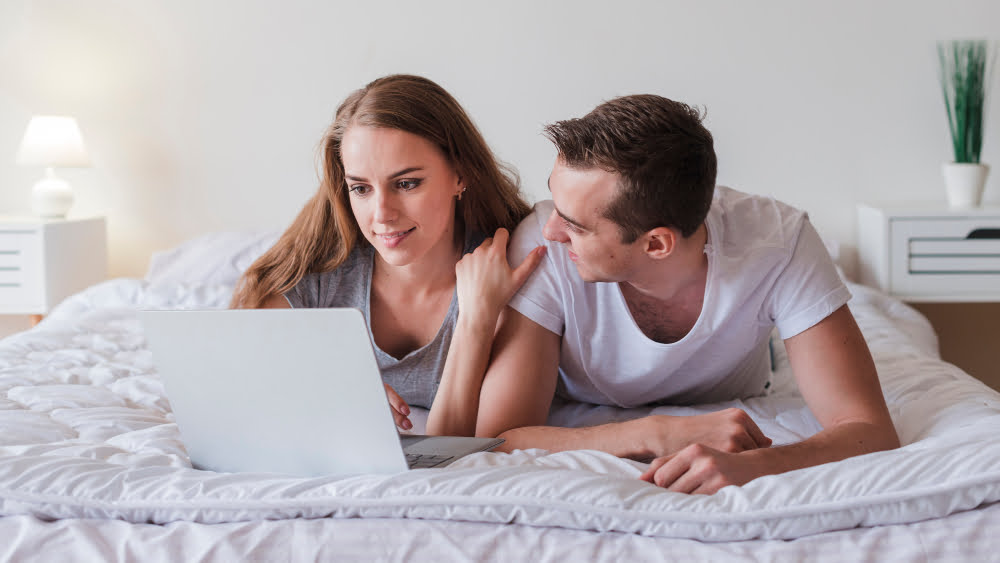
(89, 447)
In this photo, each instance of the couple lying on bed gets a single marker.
(640, 282)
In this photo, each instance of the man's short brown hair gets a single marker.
(661, 150)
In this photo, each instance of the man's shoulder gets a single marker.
(528, 233)
(749, 205)
(742, 221)
(536, 219)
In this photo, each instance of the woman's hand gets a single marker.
(485, 282)
(400, 410)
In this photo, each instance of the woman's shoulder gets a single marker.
(358, 261)
(335, 287)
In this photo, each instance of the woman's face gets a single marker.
(402, 191)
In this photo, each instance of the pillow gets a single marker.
(214, 258)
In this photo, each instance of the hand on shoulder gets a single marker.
(485, 281)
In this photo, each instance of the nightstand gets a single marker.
(44, 261)
(946, 264)
(929, 253)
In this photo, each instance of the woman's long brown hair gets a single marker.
(325, 231)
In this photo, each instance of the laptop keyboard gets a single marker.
(418, 461)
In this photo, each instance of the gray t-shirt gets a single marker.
(415, 376)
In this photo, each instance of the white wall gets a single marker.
(205, 115)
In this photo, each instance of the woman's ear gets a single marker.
(660, 242)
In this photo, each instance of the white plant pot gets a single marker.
(964, 183)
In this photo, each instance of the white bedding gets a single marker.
(967, 536)
(87, 433)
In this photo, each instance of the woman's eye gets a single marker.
(359, 189)
(408, 185)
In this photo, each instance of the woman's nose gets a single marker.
(385, 209)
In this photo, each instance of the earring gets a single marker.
(460, 194)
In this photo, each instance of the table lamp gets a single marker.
(53, 142)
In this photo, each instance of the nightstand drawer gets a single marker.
(21, 267)
(952, 255)
(11, 259)
(44, 261)
(29, 298)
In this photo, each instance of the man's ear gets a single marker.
(660, 242)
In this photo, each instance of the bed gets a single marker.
(92, 466)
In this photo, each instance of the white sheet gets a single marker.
(966, 536)
(88, 434)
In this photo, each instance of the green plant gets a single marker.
(966, 68)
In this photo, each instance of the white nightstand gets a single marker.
(44, 261)
(929, 253)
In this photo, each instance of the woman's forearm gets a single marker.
(456, 404)
(484, 282)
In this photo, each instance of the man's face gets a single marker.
(593, 241)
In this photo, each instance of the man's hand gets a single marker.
(730, 430)
(700, 470)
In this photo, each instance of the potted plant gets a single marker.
(966, 68)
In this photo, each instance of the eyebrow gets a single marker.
(565, 217)
(396, 175)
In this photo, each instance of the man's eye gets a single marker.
(570, 226)
(408, 184)
(360, 189)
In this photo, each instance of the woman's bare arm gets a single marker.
(485, 282)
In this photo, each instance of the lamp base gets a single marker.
(51, 197)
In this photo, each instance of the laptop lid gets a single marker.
(293, 391)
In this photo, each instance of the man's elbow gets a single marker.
(877, 437)
(889, 439)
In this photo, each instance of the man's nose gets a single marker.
(553, 229)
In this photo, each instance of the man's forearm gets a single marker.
(641, 439)
(833, 444)
(622, 439)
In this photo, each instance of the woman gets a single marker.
(409, 190)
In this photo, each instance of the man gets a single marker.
(659, 287)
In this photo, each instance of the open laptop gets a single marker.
(294, 391)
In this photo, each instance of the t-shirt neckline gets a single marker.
(707, 300)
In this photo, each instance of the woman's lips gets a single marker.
(395, 238)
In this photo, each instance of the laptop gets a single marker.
(292, 391)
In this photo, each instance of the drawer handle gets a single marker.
(984, 233)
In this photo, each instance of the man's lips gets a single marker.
(572, 255)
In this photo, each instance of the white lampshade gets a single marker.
(53, 141)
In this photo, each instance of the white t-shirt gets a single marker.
(767, 267)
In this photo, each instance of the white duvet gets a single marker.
(88, 432)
